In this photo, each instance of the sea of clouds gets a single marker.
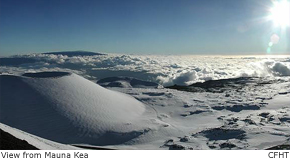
(164, 69)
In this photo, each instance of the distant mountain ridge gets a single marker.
(76, 53)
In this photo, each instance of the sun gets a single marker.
(280, 13)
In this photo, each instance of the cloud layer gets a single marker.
(166, 70)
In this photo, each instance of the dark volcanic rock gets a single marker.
(125, 82)
(222, 134)
(280, 147)
(9, 142)
(227, 145)
(237, 108)
(176, 147)
(222, 85)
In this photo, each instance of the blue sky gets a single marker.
(138, 26)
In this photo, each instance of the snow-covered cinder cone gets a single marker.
(68, 108)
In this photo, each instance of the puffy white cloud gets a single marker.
(184, 78)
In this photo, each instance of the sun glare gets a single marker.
(280, 13)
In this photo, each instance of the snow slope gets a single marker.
(67, 108)
(255, 115)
